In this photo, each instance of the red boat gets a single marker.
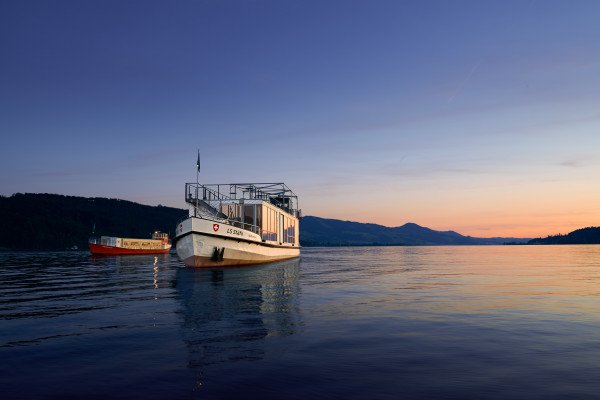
(109, 245)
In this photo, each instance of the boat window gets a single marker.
(289, 230)
(258, 211)
(249, 215)
(274, 224)
(268, 223)
(231, 210)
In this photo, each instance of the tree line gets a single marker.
(54, 222)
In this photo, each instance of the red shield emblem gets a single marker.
(215, 227)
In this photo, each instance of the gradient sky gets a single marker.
(477, 116)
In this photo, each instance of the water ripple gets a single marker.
(498, 322)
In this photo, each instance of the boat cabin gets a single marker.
(267, 209)
(158, 235)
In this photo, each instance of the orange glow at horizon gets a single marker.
(535, 227)
(522, 212)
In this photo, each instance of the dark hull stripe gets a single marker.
(234, 239)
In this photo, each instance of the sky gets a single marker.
(478, 116)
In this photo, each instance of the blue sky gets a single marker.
(478, 116)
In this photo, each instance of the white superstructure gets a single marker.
(238, 224)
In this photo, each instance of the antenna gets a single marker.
(197, 181)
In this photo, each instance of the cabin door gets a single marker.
(280, 229)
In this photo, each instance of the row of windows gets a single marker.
(270, 221)
(276, 222)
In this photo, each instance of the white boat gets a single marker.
(238, 224)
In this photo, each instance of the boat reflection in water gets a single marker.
(129, 261)
(228, 313)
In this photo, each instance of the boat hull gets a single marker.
(205, 243)
(112, 250)
(200, 250)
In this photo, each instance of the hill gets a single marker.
(56, 222)
(589, 235)
(315, 231)
(51, 221)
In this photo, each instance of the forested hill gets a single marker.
(589, 235)
(51, 221)
(57, 222)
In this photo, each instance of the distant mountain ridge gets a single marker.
(56, 222)
(316, 231)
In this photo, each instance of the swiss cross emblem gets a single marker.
(215, 227)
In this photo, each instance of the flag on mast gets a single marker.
(198, 162)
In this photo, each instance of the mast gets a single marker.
(197, 182)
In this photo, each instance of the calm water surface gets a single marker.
(506, 322)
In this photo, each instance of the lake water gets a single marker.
(499, 322)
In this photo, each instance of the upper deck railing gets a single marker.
(277, 194)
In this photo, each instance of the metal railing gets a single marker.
(208, 201)
(277, 194)
(235, 223)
